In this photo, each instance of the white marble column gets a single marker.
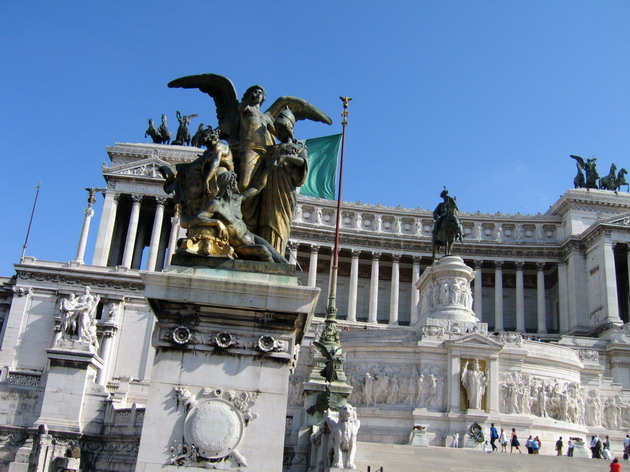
(454, 384)
(609, 281)
(293, 249)
(312, 266)
(563, 299)
(540, 298)
(493, 390)
(106, 228)
(85, 231)
(131, 231)
(394, 290)
(353, 289)
(520, 298)
(106, 351)
(108, 328)
(373, 304)
(415, 293)
(498, 296)
(172, 239)
(478, 295)
(156, 233)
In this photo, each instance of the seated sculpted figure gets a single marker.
(343, 434)
(206, 192)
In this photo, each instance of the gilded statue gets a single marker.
(268, 173)
(209, 204)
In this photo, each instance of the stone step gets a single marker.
(404, 458)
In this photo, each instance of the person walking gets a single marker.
(514, 442)
(626, 447)
(536, 445)
(606, 451)
(503, 440)
(528, 445)
(559, 446)
(570, 447)
(455, 440)
(494, 435)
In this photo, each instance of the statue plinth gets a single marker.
(63, 401)
(225, 341)
(445, 291)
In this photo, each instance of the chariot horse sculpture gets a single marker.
(447, 227)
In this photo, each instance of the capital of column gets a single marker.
(417, 260)
(175, 220)
(136, 198)
(396, 257)
(355, 253)
(376, 256)
(314, 248)
(540, 266)
(108, 330)
(89, 212)
(161, 201)
(519, 265)
(498, 265)
(478, 263)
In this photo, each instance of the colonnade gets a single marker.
(376, 257)
(130, 251)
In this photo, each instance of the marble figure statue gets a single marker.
(474, 381)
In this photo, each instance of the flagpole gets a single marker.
(28, 231)
(330, 333)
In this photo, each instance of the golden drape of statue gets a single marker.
(268, 173)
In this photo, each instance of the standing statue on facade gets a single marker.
(447, 226)
(474, 381)
(78, 317)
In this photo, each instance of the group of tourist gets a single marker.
(599, 449)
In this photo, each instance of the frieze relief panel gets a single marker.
(392, 384)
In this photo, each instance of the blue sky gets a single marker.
(487, 97)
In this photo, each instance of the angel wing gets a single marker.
(300, 108)
(222, 91)
(322, 349)
(579, 160)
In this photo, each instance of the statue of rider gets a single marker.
(441, 211)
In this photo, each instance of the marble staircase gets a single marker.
(404, 458)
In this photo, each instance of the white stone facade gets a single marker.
(561, 277)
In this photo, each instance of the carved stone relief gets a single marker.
(213, 427)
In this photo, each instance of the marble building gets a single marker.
(543, 313)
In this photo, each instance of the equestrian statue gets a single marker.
(447, 227)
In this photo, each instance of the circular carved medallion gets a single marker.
(215, 427)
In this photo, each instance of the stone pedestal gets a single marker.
(418, 436)
(73, 364)
(225, 342)
(445, 291)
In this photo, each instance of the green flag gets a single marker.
(322, 167)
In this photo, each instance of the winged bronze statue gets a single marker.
(249, 130)
(589, 167)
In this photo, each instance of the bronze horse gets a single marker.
(448, 229)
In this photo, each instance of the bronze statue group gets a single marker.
(237, 199)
